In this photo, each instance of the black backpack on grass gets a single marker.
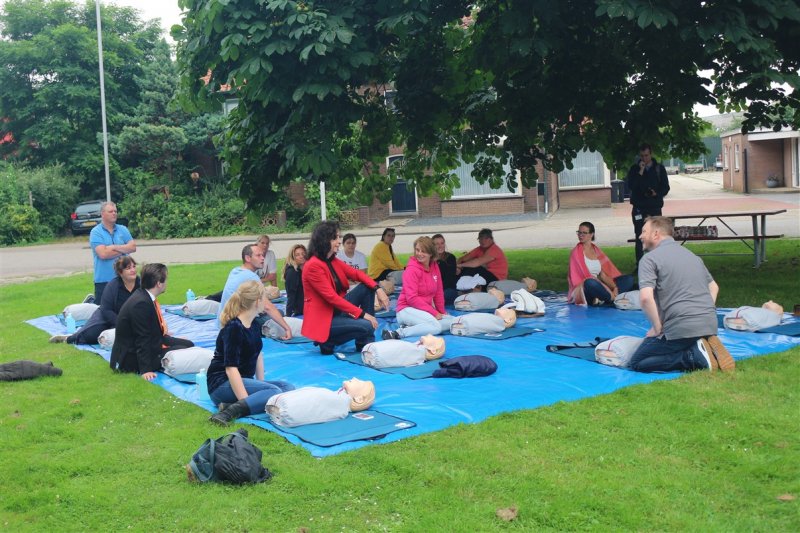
(230, 458)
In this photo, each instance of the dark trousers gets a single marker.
(345, 328)
(450, 296)
(657, 354)
(482, 271)
(98, 291)
(594, 289)
(639, 217)
(174, 343)
(87, 334)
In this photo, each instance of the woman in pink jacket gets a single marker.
(420, 308)
(593, 278)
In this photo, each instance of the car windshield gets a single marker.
(87, 208)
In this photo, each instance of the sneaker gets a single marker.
(723, 357)
(707, 353)
(59, 338)
(388, 334)
(89, 298)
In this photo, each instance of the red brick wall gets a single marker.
(764, 158)
(585, 197)
(483, 206)
(297, 194)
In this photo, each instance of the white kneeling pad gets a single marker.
(186, 360)
(201, 307)
(617, 351)
(751, 319)
(308, 405)
(475, 301)
(628, 301)
(477, 324)
(273, 330)
(106, 338)
(80, 311)
(525, 302)
(393, 353)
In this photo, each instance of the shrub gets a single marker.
(21, 224)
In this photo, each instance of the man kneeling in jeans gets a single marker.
(678, 296)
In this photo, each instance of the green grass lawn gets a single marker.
(96, 451)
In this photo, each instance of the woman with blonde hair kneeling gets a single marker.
(236, 373)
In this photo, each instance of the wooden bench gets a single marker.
(755, 246)
(758, 237)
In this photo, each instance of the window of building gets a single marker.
(725, 157)
(588, 170)
(736, 157)
(470, 188)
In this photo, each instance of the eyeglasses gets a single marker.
(583, 232)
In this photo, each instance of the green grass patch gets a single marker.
(96, 451)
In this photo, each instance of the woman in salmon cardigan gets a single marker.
(331, 315)
(593, 278)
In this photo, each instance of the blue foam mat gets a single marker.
(509, 333)
(180, 312)
(527, 376)
(425, 370)
(365, 425)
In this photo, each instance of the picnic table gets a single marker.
(759, 236)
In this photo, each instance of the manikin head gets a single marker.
(272, 292)
(434, 346)
(387, 285)
(362, 393)
(530, 284)
(497, 293)
(508, 315)
(772, 306)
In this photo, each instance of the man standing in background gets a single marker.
(648, 183)
(108, 241)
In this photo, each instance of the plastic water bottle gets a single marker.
(190, 295)
(70, 320)
(202, 385)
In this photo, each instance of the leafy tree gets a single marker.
(517, 82)
(49, 88)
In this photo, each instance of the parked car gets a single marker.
(85, 217)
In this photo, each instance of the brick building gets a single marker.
(749, 159)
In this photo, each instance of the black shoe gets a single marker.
(231, 413)
(388, 334)
(324, 350)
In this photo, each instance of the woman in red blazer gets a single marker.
(331, 315)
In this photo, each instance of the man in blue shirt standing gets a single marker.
(108, 240)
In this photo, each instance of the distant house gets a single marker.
(749, 159)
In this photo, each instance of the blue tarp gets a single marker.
(527, 377)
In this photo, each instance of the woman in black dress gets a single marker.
(293, 280)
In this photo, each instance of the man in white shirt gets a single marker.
(268, 272)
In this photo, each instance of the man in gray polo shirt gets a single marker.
(678, 296)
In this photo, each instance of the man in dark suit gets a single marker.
(142, 337)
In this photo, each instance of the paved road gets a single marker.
(689, 194)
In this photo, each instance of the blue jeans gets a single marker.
(416, 323)
(657, 354)
(592, 288)
(259, 392)
(345, 328)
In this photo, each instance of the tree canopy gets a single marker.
(517, 82)
(50, 88)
